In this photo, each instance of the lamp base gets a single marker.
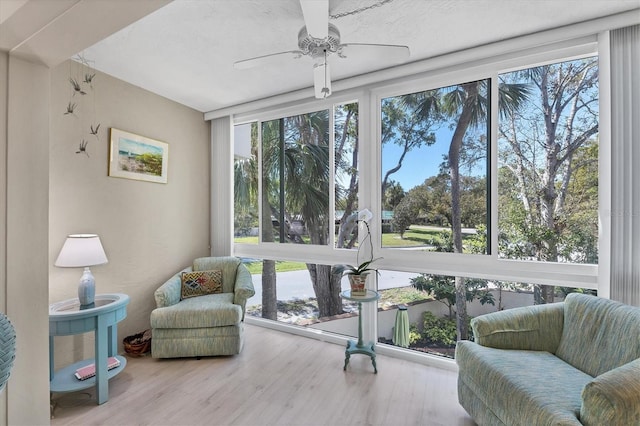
(87, 288)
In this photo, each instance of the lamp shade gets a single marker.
(80, 250)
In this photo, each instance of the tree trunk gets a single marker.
(471, 94)
(326, 286)
(461, 309)
(269, 295)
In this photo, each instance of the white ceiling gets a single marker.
(185, 50)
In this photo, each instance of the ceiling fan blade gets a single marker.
(388, 53)
(266, 59)
(322, 80)
(316, 17)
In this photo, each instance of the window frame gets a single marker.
(301, 252)
(369, 98)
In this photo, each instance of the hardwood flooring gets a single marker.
(278, 379)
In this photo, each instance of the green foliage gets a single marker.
(439, 330)
(152, 163)
(414, 334)
(404, 215)
(443, 289)
(393, 195)
(548, 173)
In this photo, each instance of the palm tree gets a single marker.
(295, 188)
(246, 184)
(467, 105)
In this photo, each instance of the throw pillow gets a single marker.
(199, 283)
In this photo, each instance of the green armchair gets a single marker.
(207, 325)
(575, 362)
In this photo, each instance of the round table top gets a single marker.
(72, 307)
(369, 297)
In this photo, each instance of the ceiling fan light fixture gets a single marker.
(322, 80)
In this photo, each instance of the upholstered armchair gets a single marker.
(187, 324)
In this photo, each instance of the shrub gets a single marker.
(440, 331)
(414, 334)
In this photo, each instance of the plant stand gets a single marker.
(360, 347)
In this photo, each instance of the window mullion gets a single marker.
(492, 232)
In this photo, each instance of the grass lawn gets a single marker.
(281, 266)
(415, 236)
(412, 237)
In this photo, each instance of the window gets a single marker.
(434, 169)
(548, 163)
(482, 178)
(245, 200)
(302, 183)
(346, 161)
(295, 179)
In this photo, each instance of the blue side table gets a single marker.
(69, 317)
(360, 347)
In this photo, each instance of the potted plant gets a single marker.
(358, 274)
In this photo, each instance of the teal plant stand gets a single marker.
(359, 347)
(69, 317)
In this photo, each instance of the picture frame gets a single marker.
(137, 157)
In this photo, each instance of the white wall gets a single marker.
(148, 230)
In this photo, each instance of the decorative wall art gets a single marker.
(137, 157)
(82, 103)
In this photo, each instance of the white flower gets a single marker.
(365, 215)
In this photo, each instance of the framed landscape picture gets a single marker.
(136, 157)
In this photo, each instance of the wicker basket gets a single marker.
(138, 344)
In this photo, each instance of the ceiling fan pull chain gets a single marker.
(362, 9)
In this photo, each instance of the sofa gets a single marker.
(568, 363)
(206, 325)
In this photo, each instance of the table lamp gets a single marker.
(82, 251)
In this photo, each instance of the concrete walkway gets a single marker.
(297, 284)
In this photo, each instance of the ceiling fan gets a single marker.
(319, 39)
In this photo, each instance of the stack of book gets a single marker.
(89, 371)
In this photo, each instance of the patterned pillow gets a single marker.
(199, 283)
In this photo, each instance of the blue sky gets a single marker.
(418, 164)
(138, 148)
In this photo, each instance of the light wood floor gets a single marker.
(278, 379)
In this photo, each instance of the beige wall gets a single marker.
(24, 192)
(4, 80)
(148, 230)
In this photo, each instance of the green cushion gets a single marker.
(211, 310)
(522, 387)
(599, 334)
(533, 328)
(613, 398)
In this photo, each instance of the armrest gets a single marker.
(537, 328)
(244, 287)
(169, 293)
(613, 398)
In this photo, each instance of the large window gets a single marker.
(483, 183)
(298, 186)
